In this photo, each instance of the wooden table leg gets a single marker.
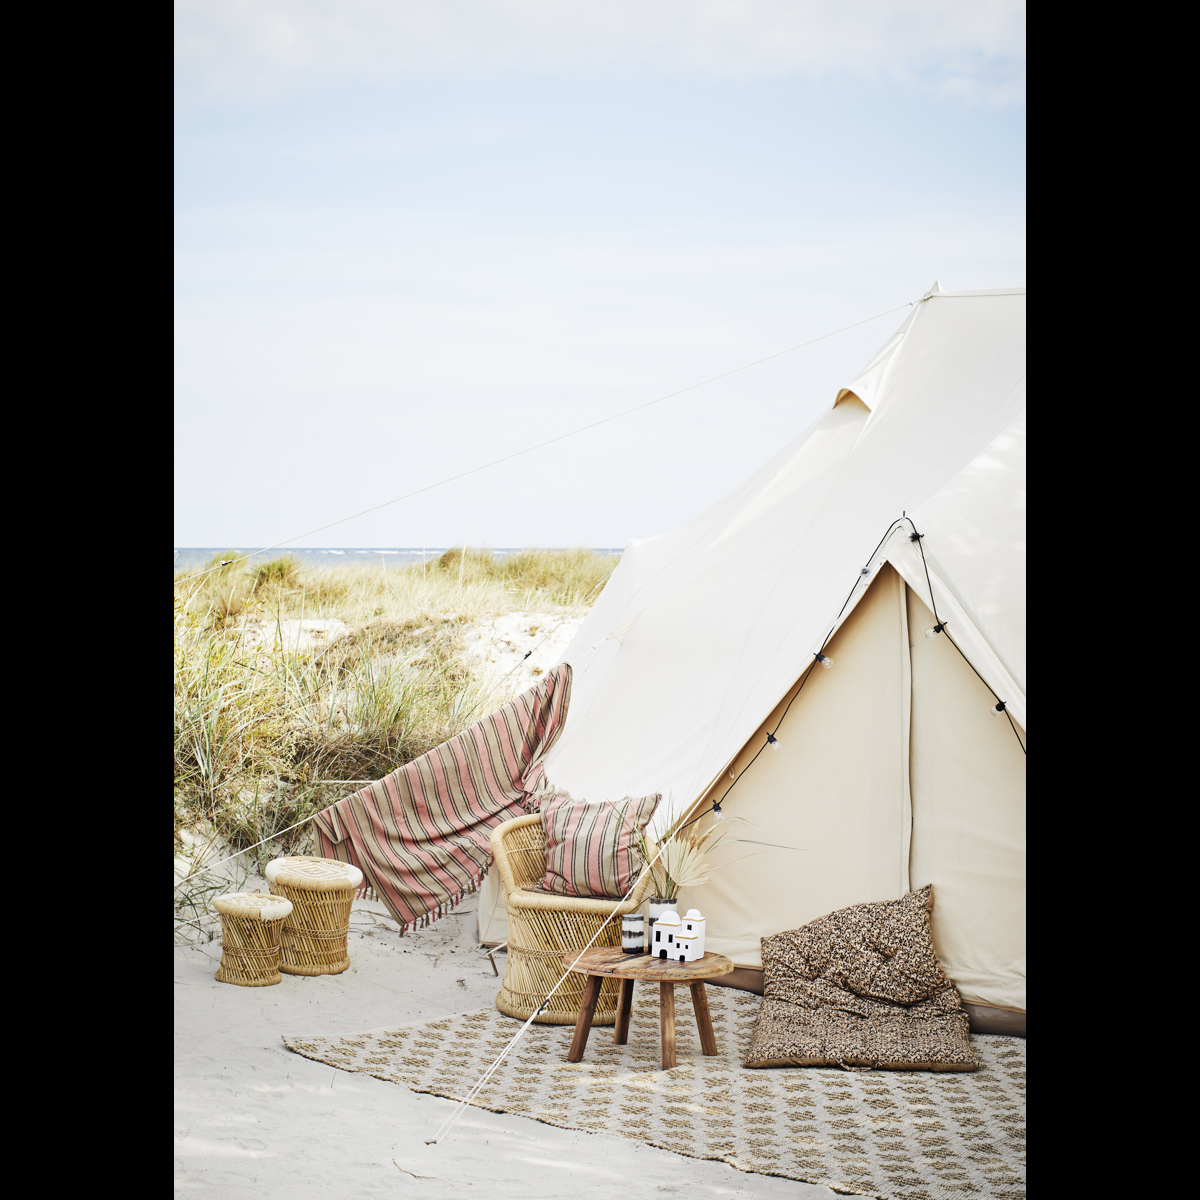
(624, 1007)
(666, 1016)
(708, 1039)
(591, 992)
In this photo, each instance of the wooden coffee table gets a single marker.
(612, 963)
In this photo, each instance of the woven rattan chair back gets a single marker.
(543, 927)
(522, 861)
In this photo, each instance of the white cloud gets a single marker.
(236, 51)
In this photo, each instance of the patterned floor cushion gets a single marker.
(861, 987)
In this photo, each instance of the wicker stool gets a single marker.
(251, 923)
(321, 891)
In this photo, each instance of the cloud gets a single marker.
(255, 51)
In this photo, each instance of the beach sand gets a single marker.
(254, 1119)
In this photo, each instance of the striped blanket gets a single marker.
(421, 835)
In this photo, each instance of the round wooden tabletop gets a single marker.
(615, 963)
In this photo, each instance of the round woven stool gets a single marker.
(321, 891)
(251, 924)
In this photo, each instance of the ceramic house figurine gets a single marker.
(689, 947)
(665, 929)
(689, 938)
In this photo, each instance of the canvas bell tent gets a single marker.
(893, 768)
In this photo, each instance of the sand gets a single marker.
(496, 648)
(254, 1119)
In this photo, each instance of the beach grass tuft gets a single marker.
(294, 685)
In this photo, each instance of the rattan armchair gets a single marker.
(542, 927)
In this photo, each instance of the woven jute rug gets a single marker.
(913, 1135)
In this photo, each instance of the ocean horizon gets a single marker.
(327, 556)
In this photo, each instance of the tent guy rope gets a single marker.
(818, 657)
(471, 712)
(1001, 706)
(549, 441)
(448, 1124)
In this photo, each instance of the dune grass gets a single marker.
(266, 734)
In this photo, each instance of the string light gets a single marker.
(717, 815)
(1000, 708)
(939, 627)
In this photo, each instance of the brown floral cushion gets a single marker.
(861, 987)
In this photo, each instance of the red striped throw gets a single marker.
(590, 848)
(421, 835)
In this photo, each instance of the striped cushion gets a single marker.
(590, 848)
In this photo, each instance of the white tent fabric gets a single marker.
(702, 633)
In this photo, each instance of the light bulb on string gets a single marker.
(772, 741)
(717, 814)
(999, 709)
(824, 661)
(932, 633)
(865, 571)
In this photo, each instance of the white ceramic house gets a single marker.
(688, 948)
(693, 926)
(665, 929)
(689, 939)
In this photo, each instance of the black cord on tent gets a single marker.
(939, 626)
(819, 657)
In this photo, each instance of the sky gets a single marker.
(412, 238)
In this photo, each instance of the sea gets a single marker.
(191, 557)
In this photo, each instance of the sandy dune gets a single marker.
(253, 1119)
(496, 649)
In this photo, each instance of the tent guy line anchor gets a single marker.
(550, 441)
